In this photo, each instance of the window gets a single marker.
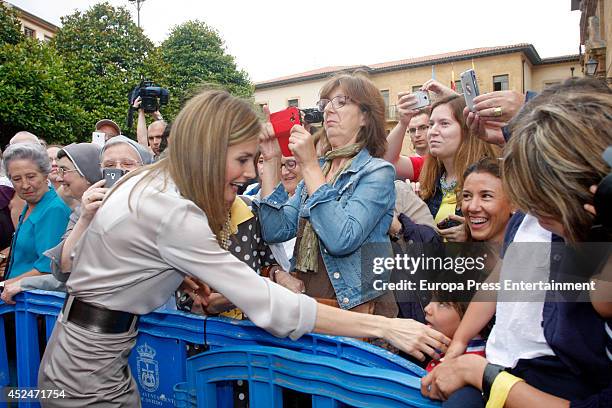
(29, 32)
(293, 102)
(458, 87)
(416, 87)
(385, 95)
(500, 83)
(551, 83)
(47, 38)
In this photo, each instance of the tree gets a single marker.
(38, 94)
(10, 27)
(106, 55)
(194, 54)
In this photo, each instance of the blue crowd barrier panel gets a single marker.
(157, 365)
(268, 370)
(158, 361)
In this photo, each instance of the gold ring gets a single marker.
(497, 111)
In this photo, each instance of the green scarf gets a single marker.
(307, 256)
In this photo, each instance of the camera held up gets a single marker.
(152, 98)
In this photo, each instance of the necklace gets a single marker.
(447, 187)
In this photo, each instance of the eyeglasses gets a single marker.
(110, 164)
(337, 102)
(62, 170)
(422, 128)
(289, 164)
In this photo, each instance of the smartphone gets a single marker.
(112, 176)
(98, 138)
(282, 122)
(422, 99)
(469, 84)
(448, 223)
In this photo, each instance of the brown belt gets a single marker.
(98, 319)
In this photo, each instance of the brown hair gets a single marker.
(201, 133)
(470, 150)
(362, 91)
(554, 155)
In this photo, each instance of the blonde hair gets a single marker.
(196, 161)
(554, 156)
(470, 151)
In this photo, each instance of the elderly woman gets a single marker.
(80, 177)
(123, 153)
(160, 224)
(345, 201)
(77, 171)
(44, 217)
(555, 356)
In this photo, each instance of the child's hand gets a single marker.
(455, 349)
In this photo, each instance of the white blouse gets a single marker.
(134, 259)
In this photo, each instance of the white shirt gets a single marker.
(518, 333)
(133, 260)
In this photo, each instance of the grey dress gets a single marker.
(132, 260)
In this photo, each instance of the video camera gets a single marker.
(152, 97)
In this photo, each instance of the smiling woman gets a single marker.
(452, 150)
(166, 221)
(485, 205)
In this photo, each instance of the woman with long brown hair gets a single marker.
(452, 149)
(167, 221)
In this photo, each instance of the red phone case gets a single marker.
(282, 122)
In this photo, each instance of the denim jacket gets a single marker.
(356, 210)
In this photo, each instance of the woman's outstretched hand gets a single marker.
(416, 339)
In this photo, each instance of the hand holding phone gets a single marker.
(469, 83)
(98, 138)
(448, 223)
(112, 176)
(422, 98)
(282, 122)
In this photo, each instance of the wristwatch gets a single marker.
(488, 377)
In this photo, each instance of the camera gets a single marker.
(152, 98)
(312, 115)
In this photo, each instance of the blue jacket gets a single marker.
(43, 229)
(573, 330)
(355, 211)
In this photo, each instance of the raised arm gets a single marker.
(268, 305)
(91, 201)
(395, 140)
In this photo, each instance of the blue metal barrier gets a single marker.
(268, 370)
(158, 361)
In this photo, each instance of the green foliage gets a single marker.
(37, 94)
(105, 53)
(59, 90)
(194, 55)
(10, 27)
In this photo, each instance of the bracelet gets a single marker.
(488, 377)
(501, 388)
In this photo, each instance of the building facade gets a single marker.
(515, 67)
(595, 36)
(34, 26)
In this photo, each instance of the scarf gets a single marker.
(307, 255)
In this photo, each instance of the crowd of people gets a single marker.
(516, 176)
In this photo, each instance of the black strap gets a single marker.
(490, 373)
